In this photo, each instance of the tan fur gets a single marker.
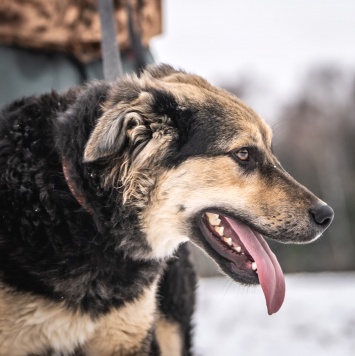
(122, 331)
(204, 182)
(30, 324)
(169, 337)
(135, 176)
(198, 184)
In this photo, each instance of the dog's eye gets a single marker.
(242, 154)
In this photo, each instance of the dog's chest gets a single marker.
(32, 325)
(29, 324)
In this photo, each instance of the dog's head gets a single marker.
(197, 164)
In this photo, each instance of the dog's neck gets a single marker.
(74, 190)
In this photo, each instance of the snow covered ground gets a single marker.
(317, 318)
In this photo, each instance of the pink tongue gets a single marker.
(271, 278)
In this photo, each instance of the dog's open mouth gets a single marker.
(248, 253)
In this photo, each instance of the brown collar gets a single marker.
(72, 186)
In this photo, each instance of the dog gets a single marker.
(102, 187)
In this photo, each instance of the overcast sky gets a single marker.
(273, 40)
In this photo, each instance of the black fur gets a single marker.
(42, 225)
(49, 244)
(173, 306)
(196, 127)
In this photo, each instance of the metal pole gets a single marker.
(109, 46)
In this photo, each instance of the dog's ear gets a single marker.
(132, 124)
(111, 134)
(136, 138)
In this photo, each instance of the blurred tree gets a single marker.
(243, 88)
(317, 147)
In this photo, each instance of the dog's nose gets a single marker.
(322, 214)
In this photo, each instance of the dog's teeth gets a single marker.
(213, 219)
(237, 248)
(254, 266)
(219, 230)
(212, 216)
(228, 240)
(216, 222)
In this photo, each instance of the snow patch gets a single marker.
(317, 318)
